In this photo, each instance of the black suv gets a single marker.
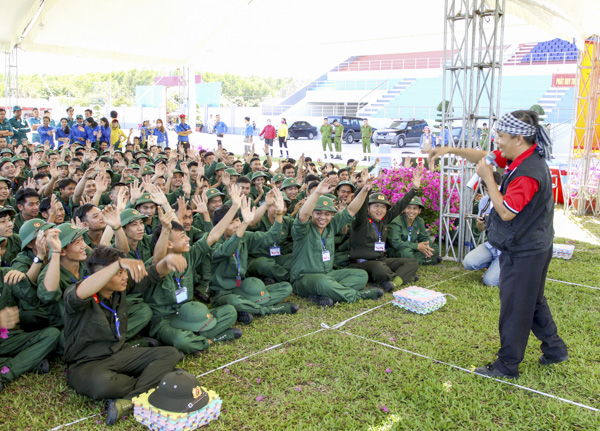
(400, 133)
(351, 127)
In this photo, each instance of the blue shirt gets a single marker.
(35, 136)
(60, 133)
(182, 128)
(220, 128)
(105, 134)
(161, 137)
(144, 133)
(78, 135)
(70, 123)
(44, 136)
(249, 130)
(92, 133)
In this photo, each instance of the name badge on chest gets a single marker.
(380, 246)
(181, 295)
(326, 256)
(275, 250)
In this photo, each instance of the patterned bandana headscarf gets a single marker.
(510, 124)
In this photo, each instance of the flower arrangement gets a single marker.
(395, 182)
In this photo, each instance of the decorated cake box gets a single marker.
(563, 251)
(162, 420)
(418, 299)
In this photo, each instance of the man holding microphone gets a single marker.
(521, 227)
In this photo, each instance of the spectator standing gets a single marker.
(282, 134)
(366, 132)
(249, 131)
(427, 142)
(270, 133)
(162, 138)
(220, 129)
(34, 123)
(63, 133)
(339, 135)
(183, 133)
(19, 126)
(117, 135)
(78, 134)
(105, 129)
(70, 117)
(47, 132)
(48, 113)
(326, 132)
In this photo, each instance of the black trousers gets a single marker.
(126, 374)
(389, 267)
(523, 308)
(283, 142)
(219, 138)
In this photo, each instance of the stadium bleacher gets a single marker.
(555, 50)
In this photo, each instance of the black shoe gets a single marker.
(294, 308)
(237, 332)
(269, 281)
(245, 317)
(144, 342)
(547, 361)
(416, 278)
(388, 286)
(490, 371)
(373, 293)
(116, 409)
(43, 367)
(202, 297)
(181, 355)
(321, 301)
(438, 259)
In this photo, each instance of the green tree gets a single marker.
(538, 110)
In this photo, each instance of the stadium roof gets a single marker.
(176, 32)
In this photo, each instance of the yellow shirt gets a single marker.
(282, 130)
(115, 135)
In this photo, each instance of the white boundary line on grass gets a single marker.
(573, 284)
(473, 372)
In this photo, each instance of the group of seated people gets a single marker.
(124, 260)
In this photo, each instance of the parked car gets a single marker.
(302, 129)
(457, 134)
(351, 127)
(400, 132)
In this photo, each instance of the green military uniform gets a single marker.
(5, 125)
(229, 268)
(68, 206)
(265, 263)
(18, 222)
(13, 248)
(21, 351)
(20, 130)
(202, 276)
(291, 182)
(404, 239)
(313, 255)
(339, 134)
(326, 131)
(366, 132)
(367, 244)
(167, 296)
(100, 364)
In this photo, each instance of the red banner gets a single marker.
(564, 79)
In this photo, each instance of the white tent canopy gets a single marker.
(208, 33)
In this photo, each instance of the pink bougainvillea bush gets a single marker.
(395, 182)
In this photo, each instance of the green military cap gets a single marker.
(118, 151)
(6, 150)
(4, 160)
(289, 182)
(62, 163)
(213, 193)
(150, 164)
(232, 172)
(79, 116)
(30, 229)
(141, 155)
(258, 174)
(285, 198)
(177, 171)
(253, 292)
(69, 232)
(345, 183)
(147, 170)
(16, 108)
(7, 209)
(52, 152)
(15, 158)
(6, 180)
(278, 177)
(129, 215)
(106, 152)
(128, 179)
(417, 201)
(144, 199)
(161, 156)
(220, 166)
(39, 149)
(42, 164)
(134, 166)
(325, 204)
(379, 198)
(193, 316)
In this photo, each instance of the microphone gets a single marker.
(489, 159)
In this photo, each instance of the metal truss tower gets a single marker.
(11, 78)
(473, 45)
(582, 193)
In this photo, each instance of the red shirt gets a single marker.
(521, 190)
(269, 132)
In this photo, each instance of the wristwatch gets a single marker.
(37, 260)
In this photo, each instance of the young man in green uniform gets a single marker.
(20, 351)
(19, 126)
(248, 295)
(366, 132)
(10, 243)
(176, 289)
(339, 135)
(326, 131)
(28, 204)
(291, 188)
(368, 240)
(313, 233)
(100, 364)
(408, 236)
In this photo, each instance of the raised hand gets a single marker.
(186, 187)
(41, 251)
(85, 199)
(53, 240)
(122, 200)
(247, 211)
(325, 186)
(135, 268)
(175, 262)
(156, 194)
(226, 179)
(34, 160)
(29, 183)
(279, 203)
(200, 203)
(111, 217)
(235, 193)
(416, 179)
(367, 179)
(270, 198)
(54, 170)
(13, 276)
(135, 191)
(181, 207)
(102, 182)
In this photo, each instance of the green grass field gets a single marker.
(333, 381)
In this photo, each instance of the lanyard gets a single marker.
(410, 233)
(178, 280)
(323, 241)
(117, 322)
(375, 227)
(137, 255)
(237, 260)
